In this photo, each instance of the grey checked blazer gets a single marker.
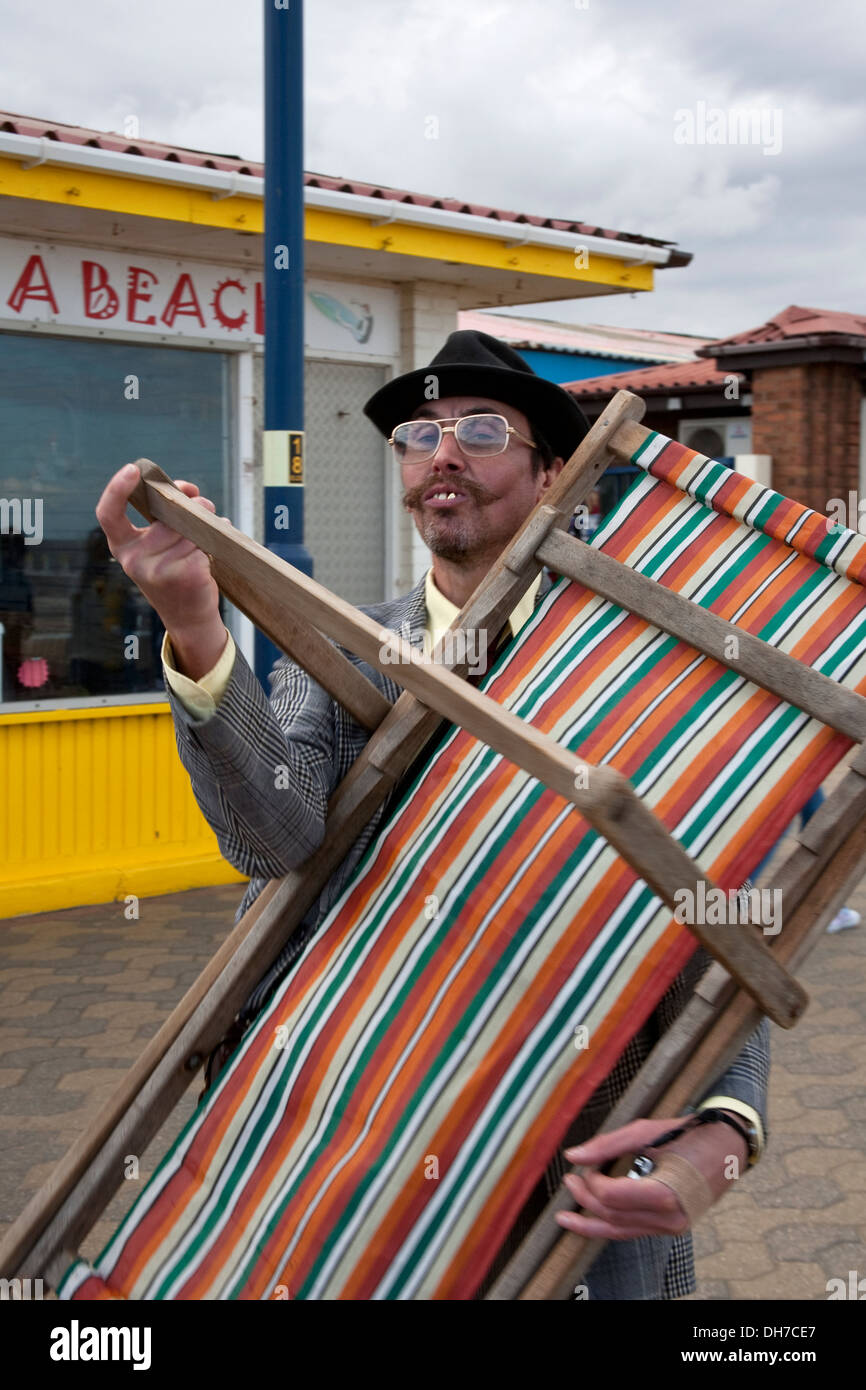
(232, 760)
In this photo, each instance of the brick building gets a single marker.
(784, 402)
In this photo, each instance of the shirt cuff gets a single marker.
(738, 1107)
(199, 698)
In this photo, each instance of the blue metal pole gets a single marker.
(283, 450)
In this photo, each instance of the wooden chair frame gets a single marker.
(748, 978)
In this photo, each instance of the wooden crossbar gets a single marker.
(266, 589)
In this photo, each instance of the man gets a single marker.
(479, 439)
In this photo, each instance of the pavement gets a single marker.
(83, 990)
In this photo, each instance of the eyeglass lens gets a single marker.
(479, 435)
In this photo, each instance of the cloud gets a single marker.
(548, 107)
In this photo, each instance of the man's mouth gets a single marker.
(443, 498)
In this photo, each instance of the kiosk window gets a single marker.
(71, 413)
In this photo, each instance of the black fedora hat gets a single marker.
(476, 364)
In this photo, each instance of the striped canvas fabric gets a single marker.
(388, 1115)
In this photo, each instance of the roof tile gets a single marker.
(586, 339)
(666, 379)
(796, 322)
(153, 149)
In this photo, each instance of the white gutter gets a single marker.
(383, 211)
(34, 150)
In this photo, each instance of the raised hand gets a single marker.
(171, 572)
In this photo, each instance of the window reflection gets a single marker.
(73, 624)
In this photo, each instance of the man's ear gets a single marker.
(551, 471)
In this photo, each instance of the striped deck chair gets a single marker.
(380, 1127)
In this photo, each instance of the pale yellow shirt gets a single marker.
(199, 698)
(441, 612)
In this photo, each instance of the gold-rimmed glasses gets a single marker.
(477, 436)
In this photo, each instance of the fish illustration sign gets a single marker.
(348, 318)
(359, 324)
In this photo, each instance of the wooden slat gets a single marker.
(706, 1037)
(757, 660)
(629, 439)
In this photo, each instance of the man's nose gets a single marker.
(448, 455)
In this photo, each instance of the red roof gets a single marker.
(666, 380)
(794, 323)
(178, 154)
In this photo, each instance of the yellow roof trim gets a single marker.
(136, 197)
(467, 248)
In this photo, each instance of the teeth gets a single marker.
(444, 496)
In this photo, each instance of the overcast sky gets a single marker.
(598, 110)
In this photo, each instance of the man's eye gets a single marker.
(423, 438)
(482, 430)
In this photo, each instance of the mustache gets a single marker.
(414, 496)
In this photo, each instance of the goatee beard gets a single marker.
(453, 542)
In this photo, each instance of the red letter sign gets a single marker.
(227, 320)
(100, 299)
(177, 305)
(135, 279)
(29, 287)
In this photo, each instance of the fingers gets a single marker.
(596, 1229)
(191, 490)
(623, 1207)
(594, 1190)
(621, 1196)
(150, 540)
(111, 509)
(628, 1139)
